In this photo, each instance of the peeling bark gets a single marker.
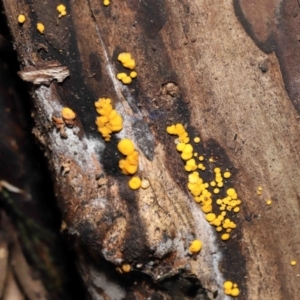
(196, 66)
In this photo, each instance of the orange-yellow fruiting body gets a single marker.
(133, 74)
(21, 18)
(40, 27)
(203, 191)
(231, 288)
(126, 146)
(293, 263)
(135, 183)
(109, 120)
(62, 10)
(106, 2)
(126, 268)
(68, 114)
(129, 165)
(126, 60)
(195, 246)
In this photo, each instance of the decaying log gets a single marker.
(196, 66)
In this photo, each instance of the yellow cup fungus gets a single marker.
(126, 60)
(62, 10)
(269, 202)
(109, 120)
(106, 2)
(195, 246)
(231, 288)
(293, 263)
(129, 165)
(126, 146)
(40, 27)
(203, 191)
(133, 74)
(68, 114)
(135, 183)
(21, 18)
(126, 268)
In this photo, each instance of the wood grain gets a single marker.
(230, 92)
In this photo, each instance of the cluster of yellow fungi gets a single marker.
(129, 165)
(128, 62)
(231, 289)
(40, 26)
(203, 191)
(62, 10)
(109, 120)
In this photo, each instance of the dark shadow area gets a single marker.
(34, 212)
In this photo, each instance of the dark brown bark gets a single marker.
(228, 91)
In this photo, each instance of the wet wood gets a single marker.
(229, 90)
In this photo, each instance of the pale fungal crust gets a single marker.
(145, 183)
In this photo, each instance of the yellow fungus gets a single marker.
(195, 246)
(213, 183)
(235, 292)
(227, 174)
(206, 208)
(126, 60)
(293, 263)
(236, 209)
(40, 27)
(133, 74)
(109, 120)
(21, 18)
(126, 80)
(227, 285)
(197, 140)
(225, 236)
(201, 158)
(62, 10)
(106, 2)
(68, 114)
(145, 183)
(217, 170)
(219, 228)
(216, 190)
(135, 183)
(210, 217)
(211, 159)
(126, 268)
(220, 184)
(126, 146)
(269, 202)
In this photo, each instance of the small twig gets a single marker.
(9, 187)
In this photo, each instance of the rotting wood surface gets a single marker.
(230, 93)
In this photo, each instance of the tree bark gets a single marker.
(198, 66)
